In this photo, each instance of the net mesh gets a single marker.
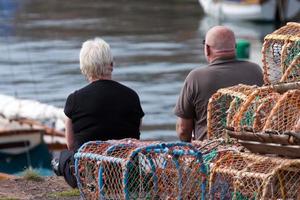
(280, 50)
(248, 176)
(222, 106)
(292, 72)
(285, 114)
(131, 169)
(216, 147)
(254, 109)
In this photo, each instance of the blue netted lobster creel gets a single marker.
(131, 169)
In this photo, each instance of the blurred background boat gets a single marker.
(19, 115)
(264, 10)
(22, 146)
(27, 144)
(30, 132)
(17, 138)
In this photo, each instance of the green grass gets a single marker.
(32, 175)
(8, 198)
(67, 193)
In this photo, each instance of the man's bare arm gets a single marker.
(184, 129)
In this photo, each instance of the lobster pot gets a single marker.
(285, 114)
(222, 106)
(214, 149)
(140, 170)
(254, 111)
(269, 122)
(249, 176)
(281, 54)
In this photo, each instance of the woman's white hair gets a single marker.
(95, 58)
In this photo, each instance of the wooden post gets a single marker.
(281, 8)
(283, 87)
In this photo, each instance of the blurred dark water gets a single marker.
(155, 44)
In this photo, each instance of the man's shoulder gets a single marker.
(202, 73)
(251, 67)
(200, 77)
(199, 71)
(233, 62)
(245, 62)
(237, 65)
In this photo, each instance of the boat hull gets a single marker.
(38, 157)
(20, 135)
(240, 11)
(26, 145)
(18, 142)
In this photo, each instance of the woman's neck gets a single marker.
(108, 77)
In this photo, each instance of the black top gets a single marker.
(104, 110)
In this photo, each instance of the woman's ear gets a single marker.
(112, 66)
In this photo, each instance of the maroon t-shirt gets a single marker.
(202, 83)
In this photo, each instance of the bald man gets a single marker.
(224, 70)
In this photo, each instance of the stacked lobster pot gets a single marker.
(132, 169)
(264, 120)
(281, 55)
(243, 176)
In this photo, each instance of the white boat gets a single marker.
(16, 138)
(21, 135)
(22, 145)
(263, 10)
(30, 133)
(26, 124)
(249, 30)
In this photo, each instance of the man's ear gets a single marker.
(207, 50)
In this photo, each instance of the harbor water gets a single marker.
(155, 45)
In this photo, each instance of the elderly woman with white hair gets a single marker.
(102, 110)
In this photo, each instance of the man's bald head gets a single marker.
(220, 38)
(221, 41)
